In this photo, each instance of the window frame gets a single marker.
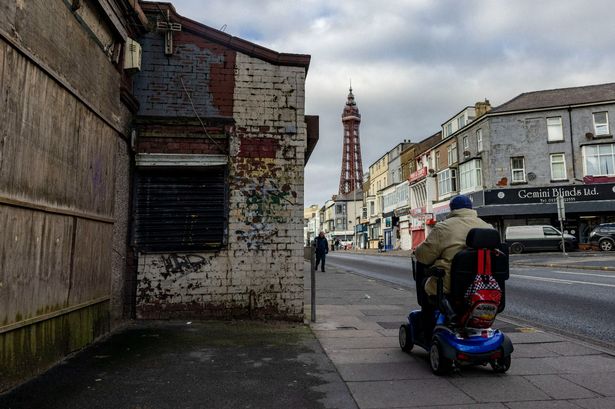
(599, 162)
(563, 163)
(606, 123)
(479, 140)
(551, 135)
(450, 181)
(474, 169)
(452, 153)
(513, 169)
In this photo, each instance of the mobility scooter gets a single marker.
(458, 329)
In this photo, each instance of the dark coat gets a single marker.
(322, 245)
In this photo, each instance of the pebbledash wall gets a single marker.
(238, 107)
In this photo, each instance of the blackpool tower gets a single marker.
(351, 178)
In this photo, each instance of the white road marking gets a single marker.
(560, 281)
(585, 274)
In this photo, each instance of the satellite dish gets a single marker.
(531, 176)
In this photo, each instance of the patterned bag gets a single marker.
(483, 296)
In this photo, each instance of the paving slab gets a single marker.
(354, 343)
(597, 403)
(532, 351)
(602, 383)
(583, 364)
(531, 366)
(535, 337)
(407, 393)
(384, 371)
(567, 348)
(560, 388)
(504, 388)
(556, 404)
(349, 333)
(371, 355)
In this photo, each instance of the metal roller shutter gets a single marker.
(180, 209)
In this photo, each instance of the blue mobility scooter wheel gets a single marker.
(440, 365)
(501, 365)
(406, 342)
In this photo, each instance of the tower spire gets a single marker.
(351, 178)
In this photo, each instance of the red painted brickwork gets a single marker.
(182, 145)
(253, 147)
(222, 76)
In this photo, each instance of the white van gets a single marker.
(535, 238)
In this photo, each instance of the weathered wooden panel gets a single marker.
(35, 252)
(61, 153)
(34, 348)
(91, 278)
(66, 47)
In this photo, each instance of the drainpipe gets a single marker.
(574, 166)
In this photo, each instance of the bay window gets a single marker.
(470, 176)
(447, 182)
(599, 160)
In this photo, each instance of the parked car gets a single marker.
(603, 237)
(537, 238)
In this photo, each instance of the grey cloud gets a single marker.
(415, 63)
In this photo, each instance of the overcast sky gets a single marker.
(416, 63)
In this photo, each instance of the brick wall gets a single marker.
(259, 272)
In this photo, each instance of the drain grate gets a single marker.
(346, 328)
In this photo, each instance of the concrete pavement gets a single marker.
(357, 324)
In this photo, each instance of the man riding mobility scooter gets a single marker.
(456, 328)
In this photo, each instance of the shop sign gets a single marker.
(416, 211)
(570, 193)
(418, 174)
(404, 211)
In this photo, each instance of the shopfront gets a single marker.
(586, 206)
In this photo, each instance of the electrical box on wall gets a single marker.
(132, 55)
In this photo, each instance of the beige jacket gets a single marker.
(445, 240)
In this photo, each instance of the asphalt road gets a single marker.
(578, 303)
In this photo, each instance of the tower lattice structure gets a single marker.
(351, 177)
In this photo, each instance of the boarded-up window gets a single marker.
(180, 209)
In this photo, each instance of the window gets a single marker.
(558, 166)
(339, 208)
(372, 210)
(470, 176)
(601, 123)
(438, 160)
(466, 143)
(599, 160)
(550, 231)
(461, 121)
(517, 165)
(447, 182)
(183, 210)
(554, 129)
(479, 140)
(452, 153)
(448, 130)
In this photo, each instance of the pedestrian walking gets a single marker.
(322, 248)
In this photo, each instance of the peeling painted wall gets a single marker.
(259, 273)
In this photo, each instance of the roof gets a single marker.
(234, 43)
(587, 94)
